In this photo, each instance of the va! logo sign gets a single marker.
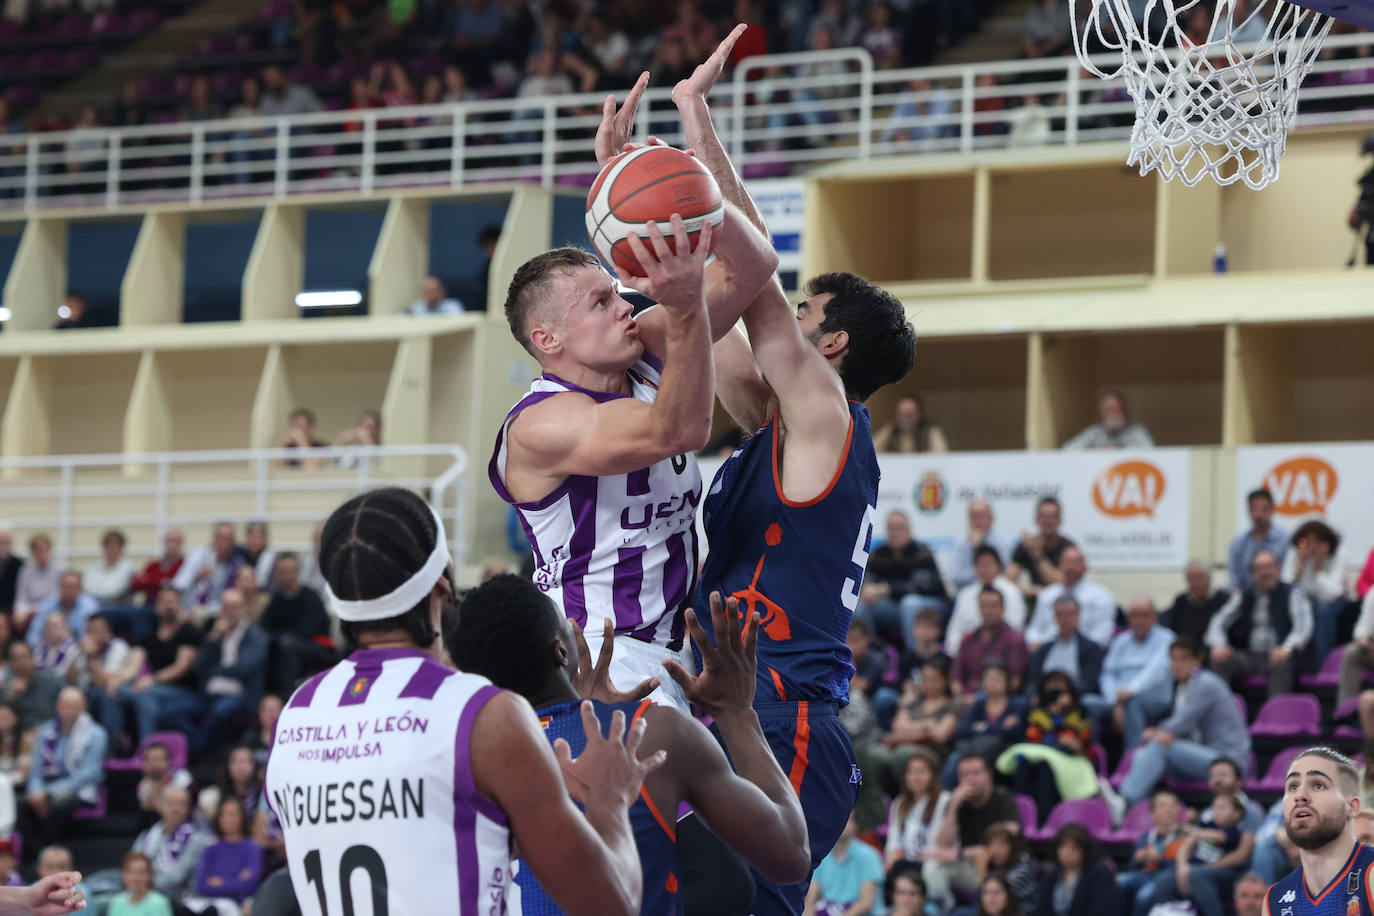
(1302, 485)
(1128, 489)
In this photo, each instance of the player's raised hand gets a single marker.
(594, 681)
(50, 896)
(698, 86)
(617, 127)
(676, 276)
(729, 667)
(609, 771)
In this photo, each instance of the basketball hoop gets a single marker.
(1218, 105)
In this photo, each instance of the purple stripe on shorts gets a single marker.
(303, 696)
(467, 801)
(582, 501)
(425, 682)
(628, 580)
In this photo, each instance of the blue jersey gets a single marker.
(799, 565)
(655, 837)
(1351, 893)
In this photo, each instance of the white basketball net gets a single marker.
(1220, 106)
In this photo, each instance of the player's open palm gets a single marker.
(677, 274)
(703, 78)
(608, 772)
(729, 667)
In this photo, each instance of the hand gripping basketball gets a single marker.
(676, 276)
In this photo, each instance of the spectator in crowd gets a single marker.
(239, 778)
(111, 580)
(1078, 657)
(200, 102)
(1223, 778)
(230, 870)
(366, 430)
(994, 639)
(1261, 630)
(55, 859)
(259, 737)
(980, 532)
(434, 300)
(1135, 673)
(990, 100)
(1212, 856)
(256, 553)
(158, 774)
(1078, 883)
(974, 806)
(256, 600)
(1039, 554)
(1195, 606)
(1115, 429)
(926, 645)
(58, 651)
(300, 435)
(1096, 604)
(900, 580)
(1263, 535)
(10, 565)
(847, 879)
(37, 580)
(1316, 565)
(105, 667)
(927, 716)
(966, 618)
(1275, 855)
(1249, 894)
(67, 771)
(1358, 656)
(231, 666)
(281, 97)
(487, 241)
(994, 722)
(86, 150)
(297, 625)
(1046, 32)
(926, 112)
(916, 812)
(30, 690)
(138, 897)
(161, 570)
(996, 898)
(1051, 762)
(174, 844)
(168, 654)
(907, 891)
(868, 655)
(1007, 858)
(69, 602)
(209, 570)
(880, 37)
(1204, 725)
(16, 747)
(910, 431)
(1155, 850)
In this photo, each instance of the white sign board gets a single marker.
(1333, 481)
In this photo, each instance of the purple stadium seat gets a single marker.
(1288, 715)
(215, 46)
(9, 30)
(21, 97)
(181, 86)
(177, 751)
(75, 24)
(1029, 815)
(1347, 710)
(1098, 755)
(1243, 707)
(1330, 674)
(426, 65)
(894, 669)
(1273, 780)
(144, 19)
(1347, 733)
(227, 82)
(14, 64)
(1123, 768)
(82, 58)
(157, 86)
(96, 811)
(45, 61)
(341, 72)
(1091, 813)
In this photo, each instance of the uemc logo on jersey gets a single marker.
(1129, 488)
(642, 515)
(1302, 485)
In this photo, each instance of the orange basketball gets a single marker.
(646, 185)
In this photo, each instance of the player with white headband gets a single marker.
(395, 766)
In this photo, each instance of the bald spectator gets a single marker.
(208, 571)
(71, 602)
(1135, 673)
(1261, 630)
(434, 300)
(980, 533)
(1194, 608)
(67, 771)
(175, 843)
(10, 565)
(910, 431)
(1115, 429)
(37, 580)
(1097, 605)
(110, 580)
(29, 689)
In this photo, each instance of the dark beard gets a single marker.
(1326, 832)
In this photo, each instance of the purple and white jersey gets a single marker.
(622, 546)
(370, 778)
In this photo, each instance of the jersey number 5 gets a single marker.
(850, 593)
(354, 857)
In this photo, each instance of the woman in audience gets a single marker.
(240, 778)
(138, 897)
(1078, 884)
(906, 892)
(258, 738)
(1318, 567)
(927, 717)
(993, 723)
(918, 811)
(110, 579)
(1051, 763)
(231, 868)
(996, 899)
(1005, 856)
(246, 581)
(910, 430)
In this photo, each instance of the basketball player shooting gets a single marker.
(789, 517)
(398, 778)
(1335, 875)
(510, 632)
(597, 458)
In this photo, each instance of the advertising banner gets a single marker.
(1327, 480)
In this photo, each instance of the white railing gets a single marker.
(47, 493)
(777, 114)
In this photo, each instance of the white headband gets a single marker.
(406, 595)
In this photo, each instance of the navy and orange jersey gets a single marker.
(798, 564)
(1350, 893)
(655, 837)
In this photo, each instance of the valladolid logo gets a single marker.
(1129, 488)
(931, 493)
(1302, 485)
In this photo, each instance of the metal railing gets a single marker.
(778, 113)
(48, 493)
